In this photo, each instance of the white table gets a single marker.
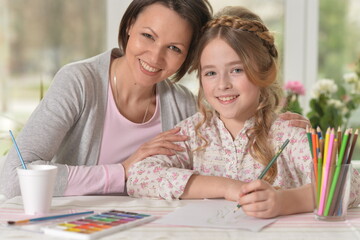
(301, 226)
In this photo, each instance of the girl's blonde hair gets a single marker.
(254, 44)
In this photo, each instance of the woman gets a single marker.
(105, 113)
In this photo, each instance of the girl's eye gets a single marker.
(237, 70)
(147, 35)
(211, 73)
(175, 49)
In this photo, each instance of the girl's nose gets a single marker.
(224, 82)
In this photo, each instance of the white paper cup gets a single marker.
(37, 184)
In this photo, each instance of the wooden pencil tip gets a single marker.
(11, 222)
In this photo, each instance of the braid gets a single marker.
(252, 26)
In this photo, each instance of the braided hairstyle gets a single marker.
(254, 44)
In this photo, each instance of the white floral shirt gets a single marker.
(165, 177)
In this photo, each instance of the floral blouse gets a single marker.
(165, 177)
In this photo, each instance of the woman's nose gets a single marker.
(157, 55)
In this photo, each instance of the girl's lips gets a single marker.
(228, 98)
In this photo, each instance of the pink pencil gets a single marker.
(326, 174)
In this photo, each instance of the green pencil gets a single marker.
(308, 134)
(266, 169)
(337, 172)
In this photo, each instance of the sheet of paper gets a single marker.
(213, 214)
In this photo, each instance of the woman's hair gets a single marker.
(254, 44)
(196, 12)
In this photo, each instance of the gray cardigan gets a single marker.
(67, 126)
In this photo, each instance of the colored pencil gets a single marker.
(327, 136)
(314, 151)
(337, 172)
(266, 169)
(308, 134)
(326, 171)
(336, 198)
(339, 138)
(353, 144)
(47, 218)
(332, 167)
(17, 150)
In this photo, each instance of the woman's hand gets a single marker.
(259, 199)
(296, 120)
(163, 144)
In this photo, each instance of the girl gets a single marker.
(237, 131)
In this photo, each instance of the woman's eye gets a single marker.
(175, 49)
(210, 73)
(147, 35)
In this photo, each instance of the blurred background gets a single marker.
(316, 38)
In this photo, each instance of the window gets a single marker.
(339, 45)
(38, 38)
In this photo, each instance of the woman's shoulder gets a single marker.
(87, 73)
(100, 62)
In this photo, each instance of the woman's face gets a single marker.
(225, 84)
(158, 44)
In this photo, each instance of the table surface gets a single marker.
(300, 226)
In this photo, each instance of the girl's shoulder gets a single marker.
(281, 129)
(190, 122)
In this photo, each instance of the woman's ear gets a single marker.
(130, 26)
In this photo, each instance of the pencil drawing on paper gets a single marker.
(226, 215)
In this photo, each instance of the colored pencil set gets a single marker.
(331, 155)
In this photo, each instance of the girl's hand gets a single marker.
(259, 199)
(296, 120)
(163, 144)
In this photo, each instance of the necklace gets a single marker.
(117, 94)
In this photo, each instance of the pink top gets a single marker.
(121, 138)
(165, 177)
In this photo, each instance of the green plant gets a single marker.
(332, 104)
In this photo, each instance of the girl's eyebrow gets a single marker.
(234, 62)
(207, 67)
(227, 64)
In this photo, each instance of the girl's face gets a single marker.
(225, 84)
(158, 43)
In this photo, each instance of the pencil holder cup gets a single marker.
(331, 188)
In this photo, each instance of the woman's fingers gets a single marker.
(300, 123)
(296, 120)
(163, 144)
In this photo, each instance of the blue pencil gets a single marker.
(48, 218)
(17, 150)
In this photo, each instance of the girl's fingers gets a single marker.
(260, 206)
